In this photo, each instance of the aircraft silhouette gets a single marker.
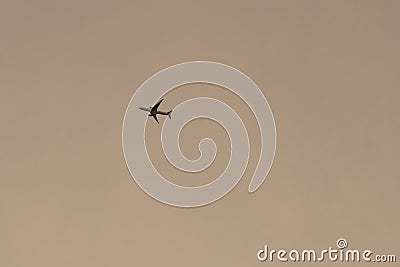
(154, 112)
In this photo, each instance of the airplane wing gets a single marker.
(155, 107)
(155, 117)
(145, 109)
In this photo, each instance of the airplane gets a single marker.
(154, 111)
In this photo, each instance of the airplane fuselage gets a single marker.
(153, 112)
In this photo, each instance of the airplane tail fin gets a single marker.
(169, 113)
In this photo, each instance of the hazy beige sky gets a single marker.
(329, 69)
